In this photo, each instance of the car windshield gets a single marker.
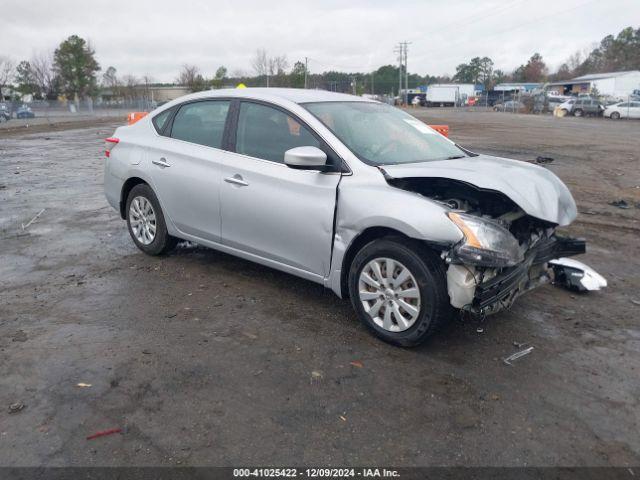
(383, 135)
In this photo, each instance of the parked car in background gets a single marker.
(587, 106)
(623, 110)
(25, 112)
(350, 193)
(567, 107)
(509, 106)
(493, 97)
(554, 101)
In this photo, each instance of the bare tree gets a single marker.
(146, 81)
(267, 66)
(191, 77)
(575, 60)
(42, 66)
(260, 62)
(129, 83)
(7, 71)
(278, 65)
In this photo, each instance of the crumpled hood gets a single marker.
(536, 190)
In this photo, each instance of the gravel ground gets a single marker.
(204, 359)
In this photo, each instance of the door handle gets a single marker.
(236, 180)
(161, 163)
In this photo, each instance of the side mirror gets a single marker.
(306, 158)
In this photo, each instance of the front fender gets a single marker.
(417, 217)
(362, 206)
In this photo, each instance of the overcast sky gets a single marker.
(155, 37)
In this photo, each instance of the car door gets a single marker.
(270, 211)
(634, 110)
(591, 107)
(186, 165)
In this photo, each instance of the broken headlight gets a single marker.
(486, 243)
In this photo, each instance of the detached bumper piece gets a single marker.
(500, 291)
(575, 275)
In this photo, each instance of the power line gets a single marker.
(554, 14)
(334, 65)
(475, 19)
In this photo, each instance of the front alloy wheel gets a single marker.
(398, 288)
(389, 294)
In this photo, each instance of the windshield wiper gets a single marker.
(455, 157)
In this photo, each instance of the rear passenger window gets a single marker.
(265, 132)
(160, 120)
(201, 122)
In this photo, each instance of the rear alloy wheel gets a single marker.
(146, 222)
(142, 219)
(615, 115)
(578, 112)
(398, 289)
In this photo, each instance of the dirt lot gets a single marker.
(202, 358)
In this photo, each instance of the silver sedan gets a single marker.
(344, 191)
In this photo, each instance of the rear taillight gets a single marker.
(109, 143)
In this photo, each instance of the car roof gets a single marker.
(295, 95)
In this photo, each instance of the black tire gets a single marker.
(162, 242)
(429, 272)
(615, 116)
(578, 112)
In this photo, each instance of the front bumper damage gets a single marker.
(487, 292)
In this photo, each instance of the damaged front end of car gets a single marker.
(505, 251)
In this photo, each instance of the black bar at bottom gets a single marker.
(406, 473)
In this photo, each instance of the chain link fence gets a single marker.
(15, 113)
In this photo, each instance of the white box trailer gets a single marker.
(449, 94)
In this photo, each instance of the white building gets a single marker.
(616, 84)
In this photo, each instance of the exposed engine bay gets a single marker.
(492, 205)
(479, 280)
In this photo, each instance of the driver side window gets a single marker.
(265, 132)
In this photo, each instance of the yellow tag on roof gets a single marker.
(241, 85)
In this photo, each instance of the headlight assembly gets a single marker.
(485, 243)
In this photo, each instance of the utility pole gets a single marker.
(353, 82)
(306, 66)
(406, 74)
(399, 50)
